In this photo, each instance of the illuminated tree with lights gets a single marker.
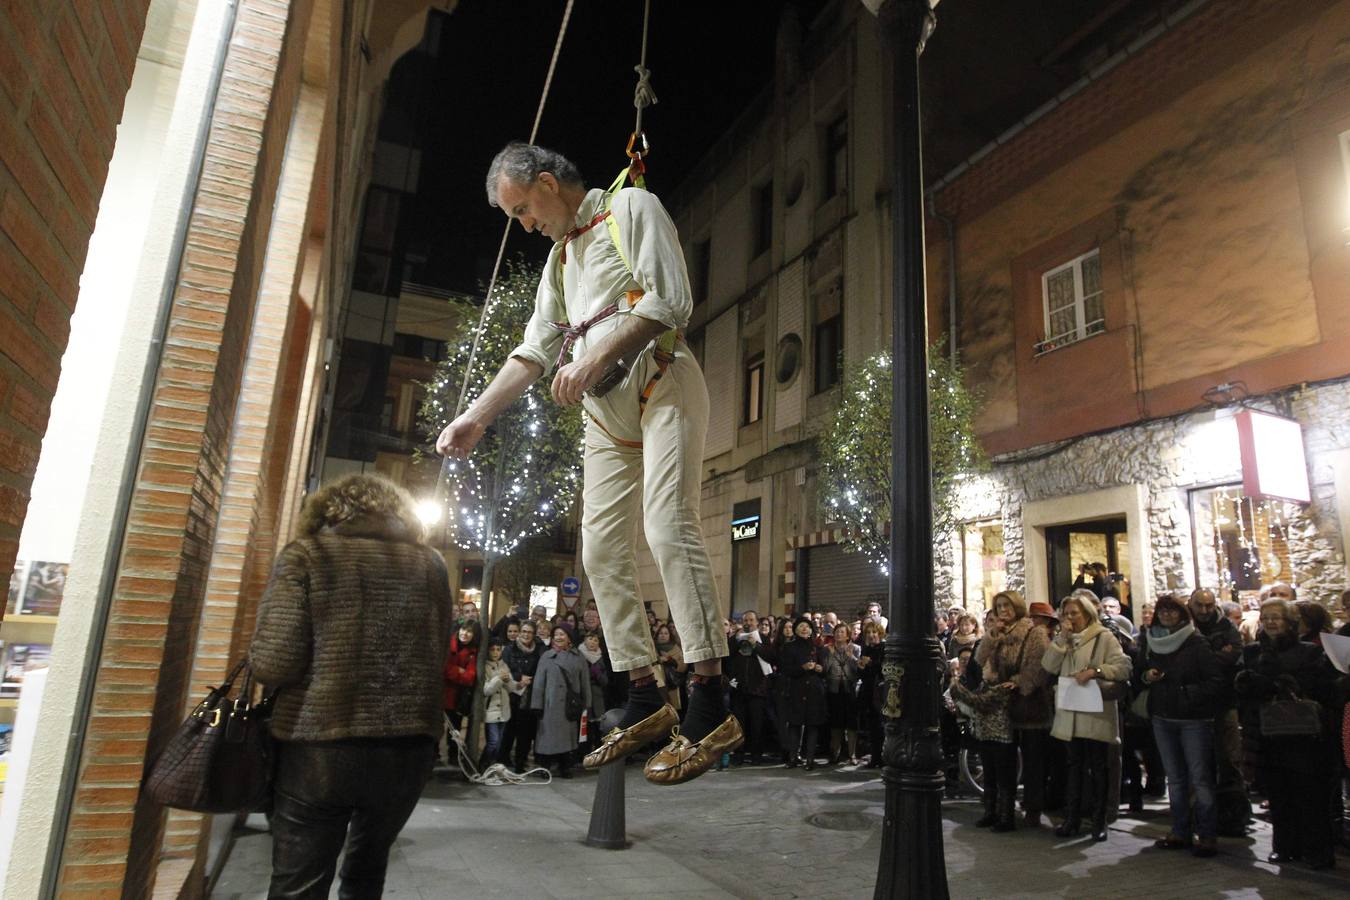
(525, 473)
(855, 451)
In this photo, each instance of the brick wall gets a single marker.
(1219, 34)
(113, 843)
(259, 447)
(64, 72)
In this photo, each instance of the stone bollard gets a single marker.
(608, 823)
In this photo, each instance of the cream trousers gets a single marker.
(661, 478)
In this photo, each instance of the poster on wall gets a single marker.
(18, 660)
(45, 587)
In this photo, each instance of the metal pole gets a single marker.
(912, 863)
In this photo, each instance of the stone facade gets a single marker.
(1171, 457)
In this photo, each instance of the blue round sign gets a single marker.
(571, 586)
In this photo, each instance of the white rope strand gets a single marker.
(497, 265)
(496, 774)
(643, 95)
(506, 232)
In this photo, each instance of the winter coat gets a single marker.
(353, 628)
(461, 671)
(1272, 667)
(744, 666)
(805, 691)
(1225, 641)
(556, 673)
(1015, 655)
(1070, 653)
(869, 677)
(600, 674)
(523, 664)
(841, 672)
(1192, 686)
(496, 691)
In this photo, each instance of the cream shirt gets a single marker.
(595, 275)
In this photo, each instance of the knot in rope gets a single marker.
(643, 95)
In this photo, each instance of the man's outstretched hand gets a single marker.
(460, 437)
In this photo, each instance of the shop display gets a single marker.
(17, 579)
(18, 660)
(44, 588)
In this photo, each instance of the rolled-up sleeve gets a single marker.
(542, 341)
(653, 249)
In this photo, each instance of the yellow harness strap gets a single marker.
(665, 344)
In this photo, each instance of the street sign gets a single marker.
(571, 587)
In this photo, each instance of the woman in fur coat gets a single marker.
(1011, 654)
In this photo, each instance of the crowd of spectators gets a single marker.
(1186, 705)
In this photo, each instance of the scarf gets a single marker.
(1162, 641)
(524, 648)
(665, 647)
(591, 657)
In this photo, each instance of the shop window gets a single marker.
(984, 568)
(836, 158)
(1241, 543)
(1072, 302)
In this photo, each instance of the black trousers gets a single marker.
(1033, 743)
(1299, 818)
(520, 731)
(803, 737)
(1087, 780)
(749, 710)
(330, 793)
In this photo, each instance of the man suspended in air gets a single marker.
(607, 324)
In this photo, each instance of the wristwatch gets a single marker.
(1097, 670)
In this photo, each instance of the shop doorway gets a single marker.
(1070, 549)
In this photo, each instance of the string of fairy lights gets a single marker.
(855, 451)
(1234, 521)
(525, 473)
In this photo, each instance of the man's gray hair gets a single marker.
(522, 163)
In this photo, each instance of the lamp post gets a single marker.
(912, 863)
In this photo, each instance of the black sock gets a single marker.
(644, 698)
(707, 707)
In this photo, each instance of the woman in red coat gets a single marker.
(461, 671)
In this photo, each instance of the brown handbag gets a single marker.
(220, 760)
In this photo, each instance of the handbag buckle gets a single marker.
(215, 718)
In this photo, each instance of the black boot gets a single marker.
(1099, 826)
(990, 801)
(1073, 802)
(1006, 821)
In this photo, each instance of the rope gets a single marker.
(496, 774)
(496, 266)
(643, 95)
(506, 232)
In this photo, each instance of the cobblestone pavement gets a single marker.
(767, 832)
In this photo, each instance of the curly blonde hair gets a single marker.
(355, 494)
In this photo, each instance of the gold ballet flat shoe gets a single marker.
(621, 742)
(683, 760)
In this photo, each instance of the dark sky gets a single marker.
(708, 61)
(991, 62)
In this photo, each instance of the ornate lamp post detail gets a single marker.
(912, 861)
